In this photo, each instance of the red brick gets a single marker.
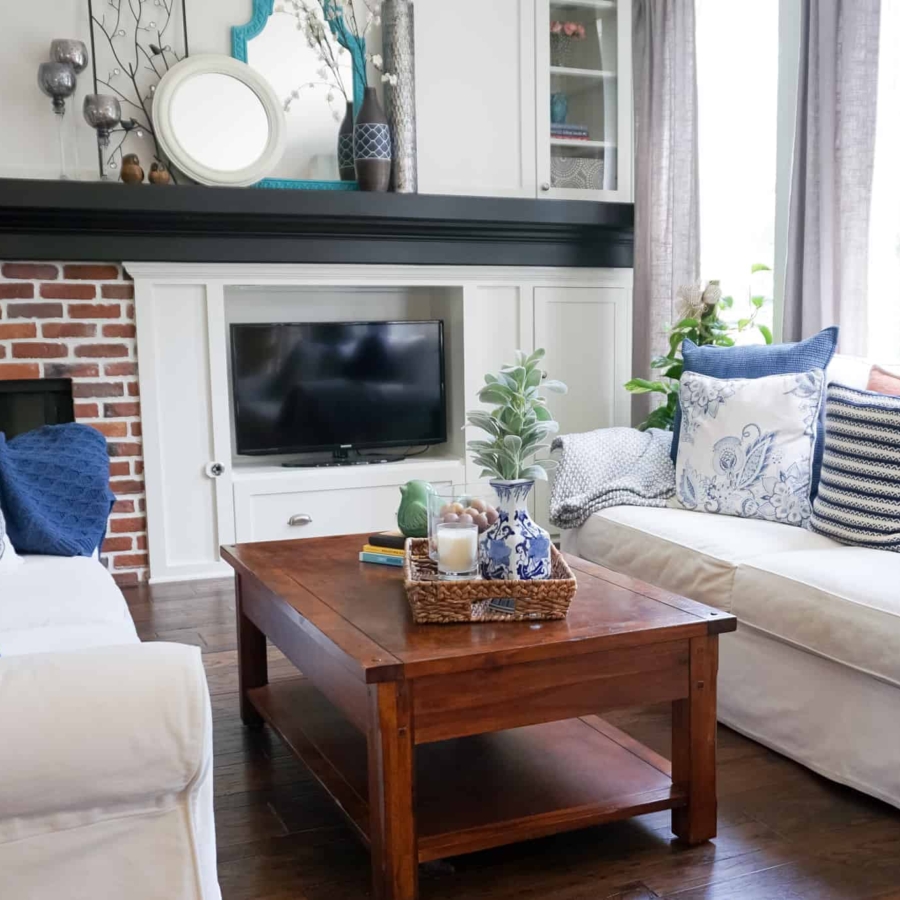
(34, 311)
(138, 467)
(118, 331)
(126, 579)
(68, 329)
(140, 542)
(136, 429)
(129, 312)
(86, 410)
(37, 271)
(94, 311)
(117, 291)
(117, 469)
(122, 506)
(120, 368)
(101, 351)
(18, 330)
(134, 389)
(127, 526)
(39, 350)
(2, 352)
(68, 291)
(11, 371)
(121, 410)
(92, 272)
(119, 448)
(112, 430)
(23, 291)
(71, 370)
(130, 560)
(116, 544)
(121, 486)
(98, 389)
(142, 504)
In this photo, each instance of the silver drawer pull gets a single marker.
(301, 519)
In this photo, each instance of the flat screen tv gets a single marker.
(339, 386)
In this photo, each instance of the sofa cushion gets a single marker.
(747, 445)
(839, 602)
(685, 552)
(51, 603)
(8, 556)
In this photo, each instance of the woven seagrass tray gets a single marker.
(434, 601)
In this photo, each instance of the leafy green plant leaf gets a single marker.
(642, 386)
(759, 267)
(766, 333)
(758, 301)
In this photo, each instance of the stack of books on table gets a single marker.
(570, 132)
(385, 549)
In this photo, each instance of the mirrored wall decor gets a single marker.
(313, 54)
(219, 121)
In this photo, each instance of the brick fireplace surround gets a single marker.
(61, 320)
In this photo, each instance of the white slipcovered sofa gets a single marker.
(105, 746)
(813, 670)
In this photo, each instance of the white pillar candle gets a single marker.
(457, 547)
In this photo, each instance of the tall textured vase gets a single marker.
(372, 145)
(346, 166)
(398, 32)
(515, 547)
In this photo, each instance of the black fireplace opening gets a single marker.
(29, 403)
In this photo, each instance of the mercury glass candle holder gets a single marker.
(70, 51)
(58, 81)
(102, 112)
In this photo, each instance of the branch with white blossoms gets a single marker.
(378, 64)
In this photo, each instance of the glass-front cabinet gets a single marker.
(584, 101)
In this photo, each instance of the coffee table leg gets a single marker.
(694, 745)
(253, 669)
(392, 772)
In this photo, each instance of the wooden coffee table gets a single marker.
(437, 740)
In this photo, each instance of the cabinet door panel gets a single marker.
(475, 97)
(585, 333)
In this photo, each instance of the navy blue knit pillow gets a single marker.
(758, 360)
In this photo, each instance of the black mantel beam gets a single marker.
(97, 221)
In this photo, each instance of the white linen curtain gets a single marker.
(831, 185)
(667, 196)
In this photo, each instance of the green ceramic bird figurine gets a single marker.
(412, 516)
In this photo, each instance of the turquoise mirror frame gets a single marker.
(356, 47)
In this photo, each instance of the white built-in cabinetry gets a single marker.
(485, 74)
(200, 494)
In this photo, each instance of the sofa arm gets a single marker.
(103, 728)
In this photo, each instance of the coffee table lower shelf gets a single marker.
(485, 790)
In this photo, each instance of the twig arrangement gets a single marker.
(137, 36)
(323, 22)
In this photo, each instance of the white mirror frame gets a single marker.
(168, 139)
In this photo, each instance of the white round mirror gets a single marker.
(218, 121)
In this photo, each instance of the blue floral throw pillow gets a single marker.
(747, 445)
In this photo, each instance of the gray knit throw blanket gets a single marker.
(610, 467)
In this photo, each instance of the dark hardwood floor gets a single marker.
(784, 833)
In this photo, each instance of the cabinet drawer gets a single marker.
(267, 517)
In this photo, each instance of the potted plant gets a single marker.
(515, 547)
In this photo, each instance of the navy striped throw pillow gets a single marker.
(859, 492)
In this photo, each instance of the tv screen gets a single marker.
(302, 387)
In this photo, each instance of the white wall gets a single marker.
(28, 148)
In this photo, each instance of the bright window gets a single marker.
(737, 86)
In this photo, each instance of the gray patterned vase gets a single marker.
(398, 39)
(515, 547)
(345, 147)
(372, 145)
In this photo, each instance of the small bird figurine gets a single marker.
(132, 173)
(159, 174)
(412, 516)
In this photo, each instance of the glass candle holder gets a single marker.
(460, 502)
(457, 550)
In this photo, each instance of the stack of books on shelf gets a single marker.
(387, 549)
(570, 132)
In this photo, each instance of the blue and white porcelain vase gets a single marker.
(372, 145)
(515, 547)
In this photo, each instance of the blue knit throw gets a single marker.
(54, 486)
